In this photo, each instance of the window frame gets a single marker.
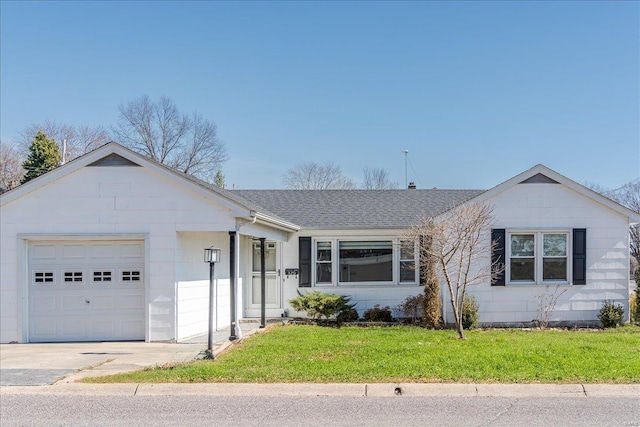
(538, 257)
(335, 262)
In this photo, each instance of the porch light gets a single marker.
(212, 255)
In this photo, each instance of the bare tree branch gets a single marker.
(11, 170)
(158, 130)
(313, 176)
(377, 179)
(459, 241)
(73, 141)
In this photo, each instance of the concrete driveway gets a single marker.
(43, 364)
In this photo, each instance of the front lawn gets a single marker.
(409, 354)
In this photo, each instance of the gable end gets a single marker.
(113, 159)
(539, 179)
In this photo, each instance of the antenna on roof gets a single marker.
(405, 167)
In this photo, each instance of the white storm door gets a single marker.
(272, 276)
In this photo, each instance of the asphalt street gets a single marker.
(74, 410)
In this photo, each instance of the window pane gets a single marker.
(407, 250)
(366, 261)
(523, 269)
(323, 272)
(269, 257)
(522, 245)
(407, 271)
(554, 269)
(554, 245)
(324, 251)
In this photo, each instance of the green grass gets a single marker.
(409, 354)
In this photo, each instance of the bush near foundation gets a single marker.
(317, 304)
(611, 314)
(378, 314)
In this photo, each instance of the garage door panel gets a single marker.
(89, 291)
(42, 252)
(103, 302)
(43, 327)
(134, 250)
(102, 251)
(73, 251)
(43, 303)
(132, 302)
(73, 303)
(73, 327)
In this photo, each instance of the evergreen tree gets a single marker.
(44, 155)
(218, 180)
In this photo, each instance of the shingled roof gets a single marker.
(356, 209)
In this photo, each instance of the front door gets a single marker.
(272, 279)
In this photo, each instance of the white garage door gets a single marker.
(86, 291)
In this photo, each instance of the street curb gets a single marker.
(354, 390)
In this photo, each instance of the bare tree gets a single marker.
(377, 179)
(73, 141)
(460, 244)
(627, 195)
(11, 170)
(314, 176)
(158, 130)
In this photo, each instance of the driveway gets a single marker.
(43, 364)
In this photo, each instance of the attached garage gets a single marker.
(86, 290)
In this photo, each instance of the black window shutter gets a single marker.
(304, 262)
(498, 255)
(579, 256)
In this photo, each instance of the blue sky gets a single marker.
(476, 91)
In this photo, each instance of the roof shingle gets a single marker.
(356, 209)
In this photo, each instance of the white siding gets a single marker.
(103, 201)
(364, 296)
(554, 206)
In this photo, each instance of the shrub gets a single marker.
(610, 314)
(350, 315)
(431, 306)
(634, 310)
(412, 307)
(469, 312)
(377, 314)
(318, 304)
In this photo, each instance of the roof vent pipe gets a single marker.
(412, 186)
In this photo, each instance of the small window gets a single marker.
(43, 277)
(407, 262)
(73, 276)
(131, 276)
(323, 262)
(523, 260)
(102, 276)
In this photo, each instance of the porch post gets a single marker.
(232, 283)
(263, 285)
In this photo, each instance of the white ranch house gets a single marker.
(110, 247)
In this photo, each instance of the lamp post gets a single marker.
(212, 256)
